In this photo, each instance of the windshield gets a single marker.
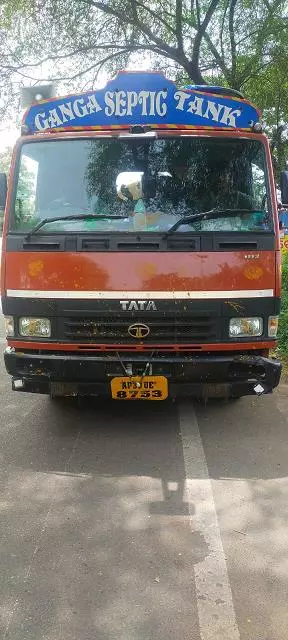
(151, 182)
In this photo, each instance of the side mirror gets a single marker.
(3, 190)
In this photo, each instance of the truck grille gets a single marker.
(114, 330)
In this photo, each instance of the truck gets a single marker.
(141, 252)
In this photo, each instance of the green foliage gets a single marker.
(237, 43)
(5, 159)
(9, 8)
(269, 90)
(283, 324)
(229, 38)
(26, 180)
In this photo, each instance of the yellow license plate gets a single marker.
(139, 388)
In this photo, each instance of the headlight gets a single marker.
(245, 327)
(35, 327)
(273, 326)
(9, 326)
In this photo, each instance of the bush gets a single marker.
(283, 323)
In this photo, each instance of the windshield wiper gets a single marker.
(209, 215)
(74, 216)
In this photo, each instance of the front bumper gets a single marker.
(210, 375)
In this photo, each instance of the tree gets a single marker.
(237, 43)
(26, 176)
(269, 90)
(5, 159)
(74, 42)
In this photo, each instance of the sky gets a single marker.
(8, 131)
(8, 136)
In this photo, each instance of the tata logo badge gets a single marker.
(138, 305)
(138, 331)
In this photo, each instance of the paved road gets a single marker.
(143, 522)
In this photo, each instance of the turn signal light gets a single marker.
(273, 326)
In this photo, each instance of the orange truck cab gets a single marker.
(141, 254)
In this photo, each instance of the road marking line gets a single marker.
(217, 620)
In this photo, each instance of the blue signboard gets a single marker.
(143, 99)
